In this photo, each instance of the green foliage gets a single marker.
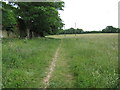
(111, 29)
(41, 17)
(9, 20)
(108, 29)
(72, 31)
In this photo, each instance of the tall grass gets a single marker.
(84, 61)
(25, 62)
(93, 60)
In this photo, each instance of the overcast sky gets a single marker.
(90, 14)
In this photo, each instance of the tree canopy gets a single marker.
(8, 17)
(39, 18)
(110, 29)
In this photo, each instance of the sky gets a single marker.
(90, 15)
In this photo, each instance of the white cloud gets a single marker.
(90, 14)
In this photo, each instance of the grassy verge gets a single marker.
(25, 61)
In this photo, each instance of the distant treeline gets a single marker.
(108, 29)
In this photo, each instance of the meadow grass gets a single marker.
(92, 60)
(25, 62)
(84, 61)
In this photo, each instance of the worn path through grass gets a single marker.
(51, 68)
(62, 76)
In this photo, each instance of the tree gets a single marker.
(9, 20)
(78, 31)
(32, 18)
(110, 29)
(118, 30)
(73, 31)
(40, 18)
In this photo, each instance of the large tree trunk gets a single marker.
(29, 33)
(22, 28)
(33, 34)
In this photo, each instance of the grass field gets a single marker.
(25, 62)
(84, 61)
